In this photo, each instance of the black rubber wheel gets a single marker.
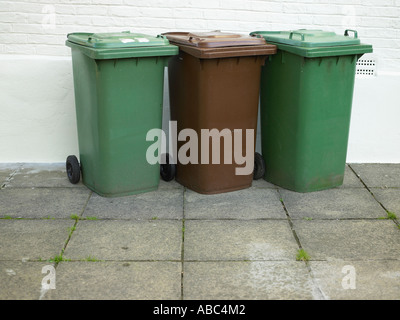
(167, 169)
(73, 169)
(259, 166)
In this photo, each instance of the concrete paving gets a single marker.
(63, 241)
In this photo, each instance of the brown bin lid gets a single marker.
(216, 44)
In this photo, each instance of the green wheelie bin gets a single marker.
(118, 85)
(305, 104)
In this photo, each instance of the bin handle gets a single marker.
(194, 38)
(256, 35)
(295, 32)
(346, 33)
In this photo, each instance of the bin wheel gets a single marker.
(259, 166)
(167, 170)
(73, 169)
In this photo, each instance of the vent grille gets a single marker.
(366, 67)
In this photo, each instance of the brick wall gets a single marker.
(39, 27)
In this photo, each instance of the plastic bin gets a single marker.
(214, 85)
(118, 83)
(306, 100)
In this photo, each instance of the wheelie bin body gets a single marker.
(305, 104)
(118, 85)
(214, 85)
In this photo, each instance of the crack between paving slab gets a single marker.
(395, 221)
(289, 219)
(73, 228)
(50, 187)
(10, 177)
(319, 294)
(244, 260)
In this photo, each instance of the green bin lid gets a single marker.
(116, 40)
(120, 45)
(316, 43)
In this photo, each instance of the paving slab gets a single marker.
(33, 239)
(160, 204)
(117, 281)
(250, 203)
(351, 180)
(4, 176)
(237, 245)
(167, 185)
(262, 183)
(41, 175)
(3, 179)
(239, 240)
(349, 239)
(13, 166)
(21, 280)
(126, 240)
(6, 171)
(389, 197)
(337, 203)
(248, 280)
(378, 174)
(42, 202)
(358, 280)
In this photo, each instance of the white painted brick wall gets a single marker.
(39, 27)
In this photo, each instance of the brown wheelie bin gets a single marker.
(214, 86)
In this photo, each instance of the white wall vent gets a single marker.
(366, 67)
